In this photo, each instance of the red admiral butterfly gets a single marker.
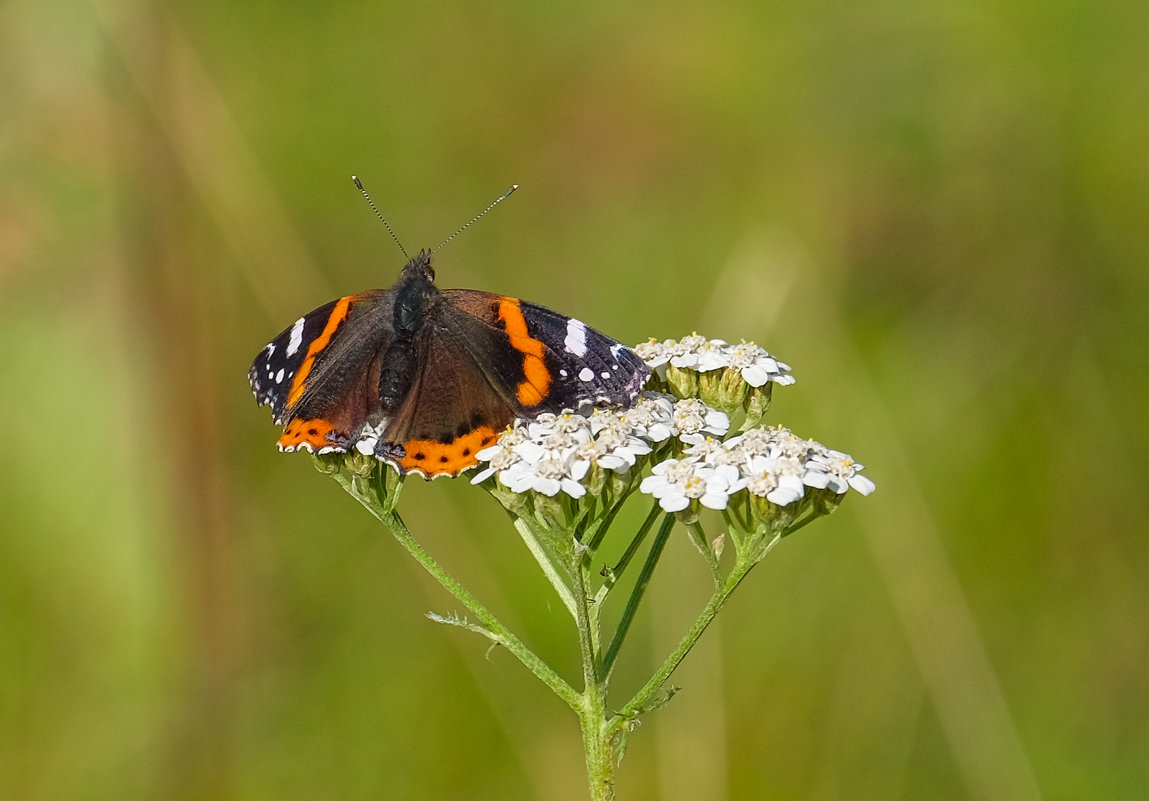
(424, 378)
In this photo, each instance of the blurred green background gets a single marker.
(936, 212)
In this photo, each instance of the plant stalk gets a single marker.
(497, 630)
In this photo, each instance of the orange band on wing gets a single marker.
(337, 316)
(537, 378)
(432, 458)
(308, 434)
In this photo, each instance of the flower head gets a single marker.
(778, 479)
(835, 470)
(675, 483)
(756, 365)
(616, 445)
(544, 470)
(554, 453)
(696, 352)
(651, 418)
(693, 420)
(734, 379)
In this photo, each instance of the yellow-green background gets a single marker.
(935, 211)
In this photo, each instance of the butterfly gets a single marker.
(424, 378)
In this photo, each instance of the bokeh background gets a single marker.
(936, 212)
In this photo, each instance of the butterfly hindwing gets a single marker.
(450, 413)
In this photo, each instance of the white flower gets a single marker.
(369, 437)
(656, 354)
(651, 418)
(560, 427)
(756, 365)
(545, 471)
(777, 464)
(715, 452)
(777, 479)
(837, 471)
(687, 351)
(614, 447)
(758, 441)
(554, 452)
(696, 352)
(501, 455)
(677, 482)
(693, 420)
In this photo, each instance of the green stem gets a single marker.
(587, 625)
(600, 761)
(613, 574)
(698, 537)
(546, 563)
(598, 744)
(603, 738)
(377, 505)
(637, 593)
(641, 700)
(810, 518)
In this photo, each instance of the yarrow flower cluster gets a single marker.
(555, 453)
(770, 463)
(678, 432)
(752, 363)
(736, 379)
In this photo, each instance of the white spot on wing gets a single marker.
(586, 374)
(576, 337)
(279, 376)
(296, 337)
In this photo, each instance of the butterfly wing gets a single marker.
(451, 411)
(320, 375)
(543, 360)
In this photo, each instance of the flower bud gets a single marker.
(358, 464)
(328, 463)
(756, 404)
(551, 512)
(683, 382)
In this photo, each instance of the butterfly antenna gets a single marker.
(382, 218)
(475, 219)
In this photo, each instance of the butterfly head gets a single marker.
(419, 268)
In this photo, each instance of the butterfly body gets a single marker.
(424, 378)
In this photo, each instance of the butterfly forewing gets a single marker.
(558, 362)
(319, 381)
(585, 365)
